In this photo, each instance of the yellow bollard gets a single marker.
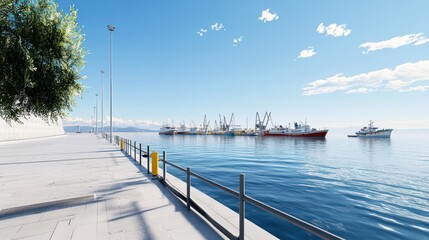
(121, 144)
(155, 158)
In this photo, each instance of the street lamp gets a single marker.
(92, 121)
(111, 29)
(102, 104)
(96, 114)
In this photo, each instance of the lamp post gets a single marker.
(92, 121)
(111, 29)
(96, 114)
(102, 103)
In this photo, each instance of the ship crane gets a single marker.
(261, 126)
(231, 122)
(223, 126)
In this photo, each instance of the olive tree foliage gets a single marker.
(41, 55)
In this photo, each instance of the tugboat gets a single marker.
(299, 130)
(372, 132)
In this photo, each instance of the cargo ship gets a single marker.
(299, 130)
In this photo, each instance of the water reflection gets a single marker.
(366, 185)
(375, 149)
(374, 142)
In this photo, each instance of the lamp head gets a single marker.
(111, 28)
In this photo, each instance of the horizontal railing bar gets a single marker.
(174, 190)
(200, 211)
(228, 190)
(176, 166)
(291, 219)
(286, 217)
(203, 213)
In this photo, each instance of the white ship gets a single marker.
(183, 129)
(372, 132)
(299, 130)
(167, 129)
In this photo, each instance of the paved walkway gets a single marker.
(130, 205)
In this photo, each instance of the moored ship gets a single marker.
(299, 130)
(166, 129)
(183, 129)
(372, 132)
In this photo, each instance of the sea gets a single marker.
(355, 188)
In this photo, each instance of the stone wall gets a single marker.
(30, 128)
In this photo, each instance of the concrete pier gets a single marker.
(48, 187)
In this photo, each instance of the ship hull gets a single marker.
(167, 133)
(379, 134)
(318, 133)
(183, 133)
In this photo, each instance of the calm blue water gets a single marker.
(355, 188)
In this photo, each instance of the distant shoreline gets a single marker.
(86, 129)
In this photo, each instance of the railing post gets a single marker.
(242, 207)
(188, 188)
(135, 150)
(140, 154)
(148, 155)
(164, 158)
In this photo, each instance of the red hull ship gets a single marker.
(300, 130)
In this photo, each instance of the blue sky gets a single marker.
(334, 63)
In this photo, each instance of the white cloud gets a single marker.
(395, 42)
(117, 122)
(217, 27)
(321, 28)
(201, 32)
(334, 30)
(70, 121)
(404, 77)
(306, 53)
(266, 16)
(396, 123)
(422, 41)
(416, 89)
(359, 90)
(235, 41)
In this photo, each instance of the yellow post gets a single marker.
(121, 144)
(155, 158)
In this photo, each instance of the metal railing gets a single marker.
(129, 147)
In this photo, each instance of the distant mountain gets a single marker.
(83, 129)
(130, 129)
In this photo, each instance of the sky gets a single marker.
(333, 63)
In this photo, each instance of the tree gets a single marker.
(41, 54)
